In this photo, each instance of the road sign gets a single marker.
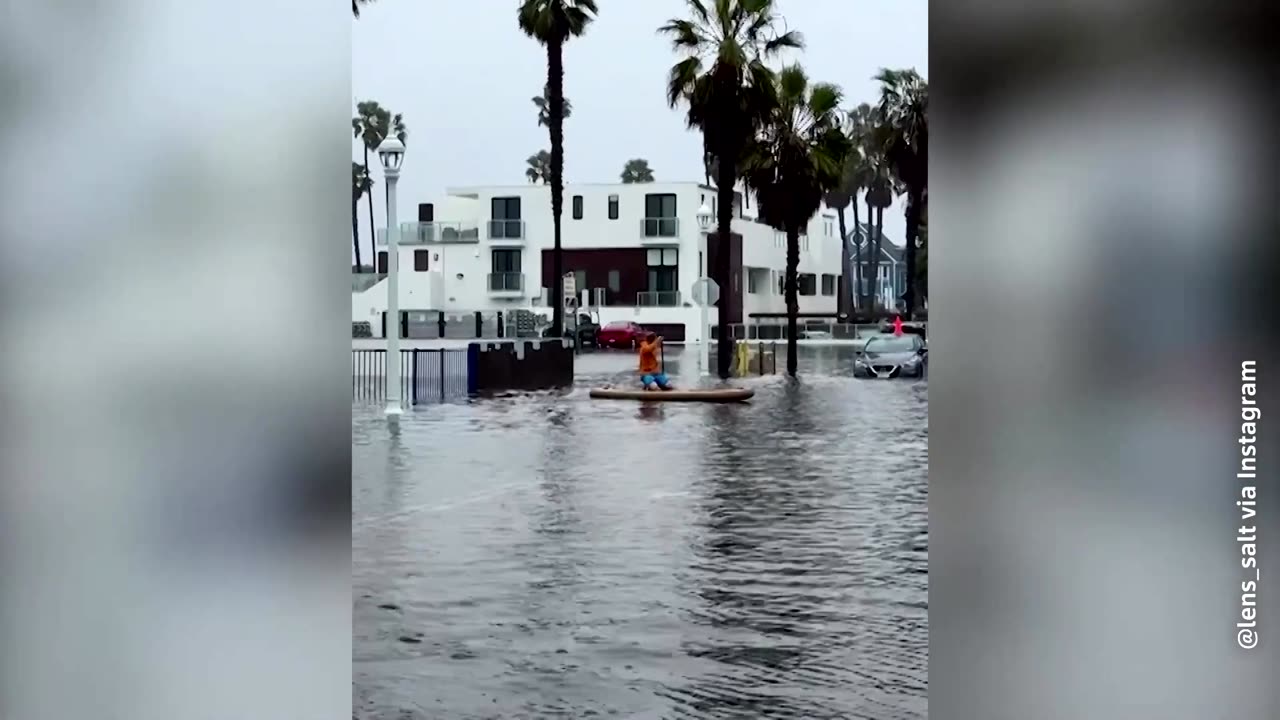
(705, 292)
(570, 287)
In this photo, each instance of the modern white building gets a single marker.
(635, 251)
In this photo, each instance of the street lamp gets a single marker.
(391, 153)
(704, 226)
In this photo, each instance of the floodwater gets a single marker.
(552, 556)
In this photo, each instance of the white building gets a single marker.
(634, 250)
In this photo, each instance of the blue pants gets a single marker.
(660, 378)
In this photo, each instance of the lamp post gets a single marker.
(704, 227)
(391, 153)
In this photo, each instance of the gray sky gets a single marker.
(463, 75)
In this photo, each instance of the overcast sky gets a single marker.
(463, 75)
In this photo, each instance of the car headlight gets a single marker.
(911, 361)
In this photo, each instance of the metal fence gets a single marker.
(435, 325)
(805, 331)
(426, 375)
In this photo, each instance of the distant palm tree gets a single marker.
(552, 23)
(798, 157)
(371, 124)
(544, 107)
(361, 183)
(904, 107)
(838, 199)
(539, 169)
(355, 6)
(637, 171)
(860, 172)
(728, 88)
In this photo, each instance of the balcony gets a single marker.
(506, 283)
(425, 233)
(506, 232)
(663, 230)
(659, 298)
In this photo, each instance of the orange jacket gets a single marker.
(648, 357)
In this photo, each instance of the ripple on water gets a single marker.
(546, 555)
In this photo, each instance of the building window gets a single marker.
(664, 267)
(782, 283)
(613, 207)
(505, 271)
(751, 282)
(505, 261)
(808, 285)
(660, 215)
(382, 261)
(804, 243)
(615, 281)
(505, 222)
(577, 207)
(420, 260)
(828, 284)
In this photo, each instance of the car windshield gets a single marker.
(617, 325)
(890, 344)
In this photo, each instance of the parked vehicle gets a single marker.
(620, 334)
(587, 329)
(891, 356)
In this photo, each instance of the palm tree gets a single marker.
(539, 169)
(552, 23)
(728, 88)
(798, 157)
(355, 6)
(637, 171)
(859, 169)
(371, 124)
(904, 106)
(838, 199)
(544, 107)
(361, 183)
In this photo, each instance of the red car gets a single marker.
(620, 334)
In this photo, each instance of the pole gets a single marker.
(704, 351)
(393, 298)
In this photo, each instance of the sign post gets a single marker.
(706, 292)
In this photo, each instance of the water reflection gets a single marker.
(568, 557)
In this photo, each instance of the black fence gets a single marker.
(426, 375)
(812, 331)
(438, 324)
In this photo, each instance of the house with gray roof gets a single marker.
(891, 265)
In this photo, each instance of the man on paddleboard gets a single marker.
(652, 376)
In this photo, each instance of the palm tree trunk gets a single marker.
(793, 300)
(913, 231)
(844, 300)
(355, 230)
(857, 257)
(555, 84)
(873, 259)
(373, 231)
(879, 246)
(724, 235)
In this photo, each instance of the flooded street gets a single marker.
(549, 555)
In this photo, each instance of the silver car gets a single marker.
(892, 356)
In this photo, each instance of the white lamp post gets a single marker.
(391, 153)
(704, 227)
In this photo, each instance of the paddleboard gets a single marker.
(715, 395)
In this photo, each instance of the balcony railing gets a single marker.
(506, 229)
(423, 233)
(506, 282)
(658, 298)
(661, 227)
